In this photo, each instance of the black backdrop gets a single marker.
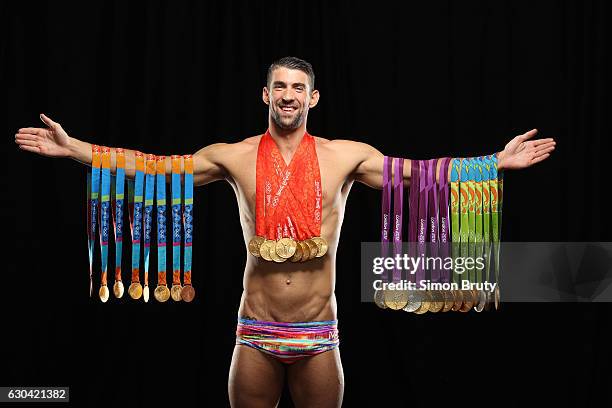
(423, 80)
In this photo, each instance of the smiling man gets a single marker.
(291, 189)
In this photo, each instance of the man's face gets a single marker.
(289, 97)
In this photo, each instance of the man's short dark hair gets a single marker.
(293, 63)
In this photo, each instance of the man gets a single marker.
(285, 293)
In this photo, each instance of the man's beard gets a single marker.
(287, 123)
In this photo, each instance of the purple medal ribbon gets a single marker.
(444, 216)
(413, 217)
(398, 204)
(422, 221)
(386, 213)
(433, 215)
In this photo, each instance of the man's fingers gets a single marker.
(529, 135)
(33, 143)
(26, 136)
(539, 158)
(46, 120)
(541, 141)
(30, 130)
(545, 146)
(30, 148)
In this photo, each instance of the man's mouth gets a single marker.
(288, 109)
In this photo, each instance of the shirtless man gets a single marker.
(283, 292)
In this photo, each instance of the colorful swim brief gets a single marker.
(288, 342)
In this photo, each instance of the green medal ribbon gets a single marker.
(454, 190)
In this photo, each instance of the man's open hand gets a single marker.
(52, 141)
(521, 152)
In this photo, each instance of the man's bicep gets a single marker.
(207, 164)
(369, 170)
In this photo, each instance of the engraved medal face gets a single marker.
(274, 255)
(305, 251)
(449, 300)
(264, 249)
(161, 293)
(437, 301)
(321, 246)
(482, 301)
(313, 248)
(187, 293)
(425, 303)
(298, 253)
(118, 289)
(379, 299)
(458, 300)
(135, 290)
(396, 299)
(414, 301)
(285, 247)
(468, 302)
(103, 293)
(254, 245)
(175, 293)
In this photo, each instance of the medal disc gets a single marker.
(118, 289)
(437, 301)
(103, 293)
(254, 245)
(497, 297)
(395, 299)
(321, 246)
(135, 290)
(414, 301)
(468, 301)
(482, 301)
(264, 249)
(313, 248)
(449, 300)
(425, 302)
(458, 296)
(305, 251)
(379, 298)
(145, 293)
(274, 255)
(161, 293)
(297, 256)
(175, 293)
(285, 247)
(187, 293)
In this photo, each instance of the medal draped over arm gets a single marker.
(106, 196)
(288, 204)
(459, 217)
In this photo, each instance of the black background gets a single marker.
(422, 80)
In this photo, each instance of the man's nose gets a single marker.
(288, 95)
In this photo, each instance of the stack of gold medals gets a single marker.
(106, 195)
(470, 216)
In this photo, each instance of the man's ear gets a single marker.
(314, 99)
(265, 95)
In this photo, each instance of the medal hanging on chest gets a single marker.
(288, 204)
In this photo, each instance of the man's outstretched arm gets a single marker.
(53, 141)
(519, 153)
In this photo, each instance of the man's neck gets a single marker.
(287, 140)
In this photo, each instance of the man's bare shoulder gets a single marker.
(346, 147)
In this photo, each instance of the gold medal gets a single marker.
(449, 300)
(274, 255)
(285, 247)
(103, 293)
(135, 290)
(254, 245)
(305, 251)
(425, 303)
(264, 249)
(396, 299)
(437, 301)
(313, 248)
(468, 301)
(118, 289)
(175, 293)
(458, 295)
(145, 293)
(379, 299)
(161, 293)
(297, 256)
(321, 246)
(187, 293)
(414, 299)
